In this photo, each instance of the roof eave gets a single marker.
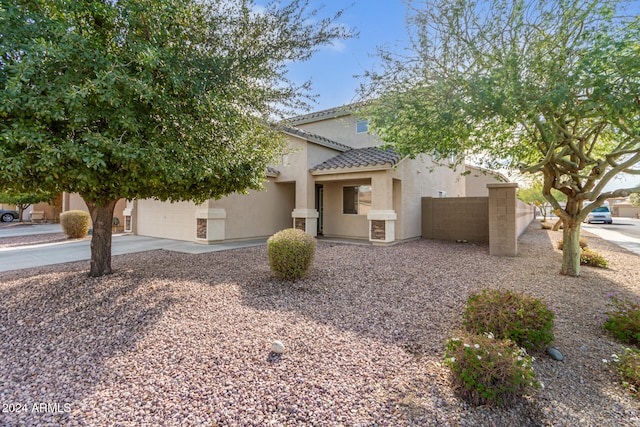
(351, 169)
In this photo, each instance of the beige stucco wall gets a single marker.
(342, 130)
(477, 179)
(258, 213)
(337, 224)
(251, 215)
(419, 181)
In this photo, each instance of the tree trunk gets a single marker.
(571, 244)
(102, 216)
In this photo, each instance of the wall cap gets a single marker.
(503, 185)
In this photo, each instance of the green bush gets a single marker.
(291, 253)
(622, 319)
(487, 371)
(507, 314)
(583, 244)
(594, 259)
(628, 365)
(75, 224)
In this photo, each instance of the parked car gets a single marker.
(601, 214)
(8, 216)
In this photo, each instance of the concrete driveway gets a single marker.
(624, 232)
(21, 257)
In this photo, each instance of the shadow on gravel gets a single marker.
(56, 332)
(412, 296)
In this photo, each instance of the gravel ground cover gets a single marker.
(177, 339)
(34, 239)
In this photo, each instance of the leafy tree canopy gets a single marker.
(548, 87)
(147, 98)
(24, 200)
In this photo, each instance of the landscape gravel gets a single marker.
(179, 339)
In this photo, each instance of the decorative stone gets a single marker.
(277, 347)
(555, 354)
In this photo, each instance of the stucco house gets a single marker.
(336, 182)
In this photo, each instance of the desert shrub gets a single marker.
(583, 244)
(489, 371)
(593, 259)
(507, 314)
(622, 319)
(75, 224)
(628, 365)
(291, 253)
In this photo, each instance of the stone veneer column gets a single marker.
(503, 230)
(382, 226)
(210, 225)
(306, 220)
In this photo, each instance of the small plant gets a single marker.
(593, 259)
(75, 224)
(623, 319)
(583, 244)
(507, 314)
(291, 253)
(487, 371)
(628, 365)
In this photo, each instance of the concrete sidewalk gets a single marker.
(15, 229)
(20, 257)
(630, 243)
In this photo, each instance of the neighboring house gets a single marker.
(334, 182)
(622, 207)
(477, 178)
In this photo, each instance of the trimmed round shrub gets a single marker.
(488, 371)
(291, 253)
(510, 315)
(75, 224)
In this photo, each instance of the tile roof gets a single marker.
(317, 139)
(369, 156)
(320, 115)
(330, 113)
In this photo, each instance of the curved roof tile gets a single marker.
(369, 156)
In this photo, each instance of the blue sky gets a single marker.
(332, 69)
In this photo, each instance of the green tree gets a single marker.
(168, 99)
(533, 194)
(24, 200)
(548, 87)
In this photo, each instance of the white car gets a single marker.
(601, 214)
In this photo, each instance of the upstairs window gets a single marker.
(362, 126)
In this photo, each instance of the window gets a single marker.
(356, 200)
(362, 126)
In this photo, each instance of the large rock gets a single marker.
(277, 347)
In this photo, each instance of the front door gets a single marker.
(320, 206)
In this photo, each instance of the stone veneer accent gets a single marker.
(300, 224)
(378, 230)
(201, 228)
